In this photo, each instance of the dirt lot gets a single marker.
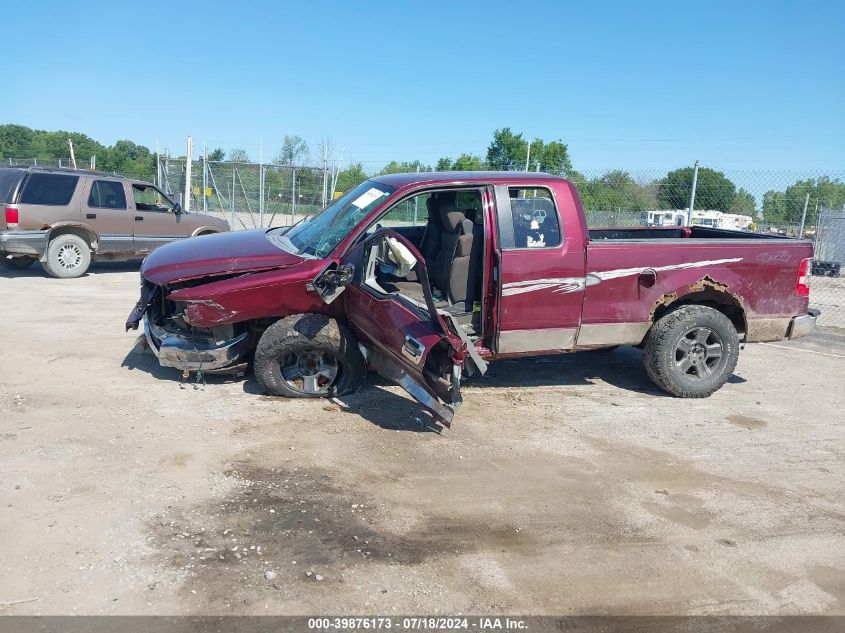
(567, 485)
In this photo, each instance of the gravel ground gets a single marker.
(567, 485)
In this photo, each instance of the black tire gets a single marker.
(296, 355)
(680, 351)
(18, 262)
(68, 256)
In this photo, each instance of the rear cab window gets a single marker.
(48, 189)
(533, 221)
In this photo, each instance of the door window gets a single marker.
(107, 194)
(148, 198)
(535, 219)
(50, 189)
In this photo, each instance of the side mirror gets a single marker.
(332, 281)
(177, 209)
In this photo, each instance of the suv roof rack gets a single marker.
(71, 170)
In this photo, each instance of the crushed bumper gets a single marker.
(194, 353)
(803, 325)
(23, 242)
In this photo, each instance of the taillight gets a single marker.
(11, 216)
(802, 284)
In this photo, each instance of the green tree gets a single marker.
(350, 177)
(509, 151)
(217, 154)
(744, 203)
(15, 141)
(294, 148)
(468, 162)
(444, 164)
(787, 206)
(394, 167)
(238, 155)
(713, 190)
(615, 190)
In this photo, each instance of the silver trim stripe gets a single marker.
(576, 284)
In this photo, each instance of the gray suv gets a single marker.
(64, 218)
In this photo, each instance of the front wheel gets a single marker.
(308, 356)
(691, 351)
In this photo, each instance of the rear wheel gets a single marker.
(691, 351)
(18, 262)
(68, 256)
(308, 356)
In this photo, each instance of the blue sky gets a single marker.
(638, 85)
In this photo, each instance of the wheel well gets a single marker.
(86, 235)
(206, 232)
(724, 302)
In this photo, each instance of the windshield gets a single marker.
(318, 235)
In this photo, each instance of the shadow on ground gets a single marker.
(97, 268)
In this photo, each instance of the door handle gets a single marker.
(139, 218)
(90, 216)
(413, 350)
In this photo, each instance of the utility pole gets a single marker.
(72, 157)
(189, 155)
(804, 214)
(692, 193)
(325, 172)
(93, 162)
(261, 184)
(204, 177)
(528, 155)
(158, 168)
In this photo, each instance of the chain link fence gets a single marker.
(247, 195)
(808, 204)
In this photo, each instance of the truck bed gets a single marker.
(677, 233)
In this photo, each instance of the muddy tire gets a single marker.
(68, 256)
(17, 262)
(308, 356)
(691, 351)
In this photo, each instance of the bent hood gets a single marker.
(218, 254)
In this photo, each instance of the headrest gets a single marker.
(451, 217)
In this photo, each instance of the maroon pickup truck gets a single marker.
(425, 277)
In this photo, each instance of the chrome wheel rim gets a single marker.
(699, 353)
(69, 256)
(310, 371)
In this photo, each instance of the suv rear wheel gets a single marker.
(691, 351)
(68, 256)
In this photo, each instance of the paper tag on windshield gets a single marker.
(367, 198)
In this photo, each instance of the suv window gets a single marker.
(9, 179)
(107, 194)
(52, 189)
(535, 220)
(148, 198)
